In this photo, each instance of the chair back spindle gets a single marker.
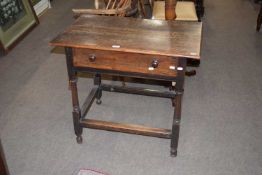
(112, 7)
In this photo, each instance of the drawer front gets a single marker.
(126, 62)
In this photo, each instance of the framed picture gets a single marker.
(17, 18)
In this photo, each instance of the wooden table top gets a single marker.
(156, 37)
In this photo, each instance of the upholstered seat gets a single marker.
(185, 11)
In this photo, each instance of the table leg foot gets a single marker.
(98, 101)
(258, 28)
(173, 153)
(173, 103)
(79, 139)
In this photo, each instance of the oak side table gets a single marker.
(148, 49)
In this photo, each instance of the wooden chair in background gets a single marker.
(124, 8)
(163, 10)
(110, 7)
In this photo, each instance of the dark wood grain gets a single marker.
(138, 91)
(155, 37)
(121, 61)
(141, 44)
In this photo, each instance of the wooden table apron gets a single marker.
(148, 49)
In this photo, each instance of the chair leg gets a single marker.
(142, 8)
(191, 73)
(200, 9)
(192, 63)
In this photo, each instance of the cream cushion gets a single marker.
(185, 11)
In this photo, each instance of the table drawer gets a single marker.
(126, 62)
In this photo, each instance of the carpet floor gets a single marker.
(221, 125)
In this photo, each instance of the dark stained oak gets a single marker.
(148, 49)
(138, 91)
(173, 38)
(120, 61)
(127, 128)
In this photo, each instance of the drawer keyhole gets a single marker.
(92, 57)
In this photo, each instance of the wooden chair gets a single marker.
(179, 10)
(259, 19)
(110, 7)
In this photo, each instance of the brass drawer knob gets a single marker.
(92, 57)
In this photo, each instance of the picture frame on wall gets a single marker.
(17, 18)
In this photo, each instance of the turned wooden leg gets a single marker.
(76, 111)
(97, 81)
(176, 124)
(142, 7)
(177, 102)
(73, 87)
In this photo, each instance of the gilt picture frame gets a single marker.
(17, 19)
